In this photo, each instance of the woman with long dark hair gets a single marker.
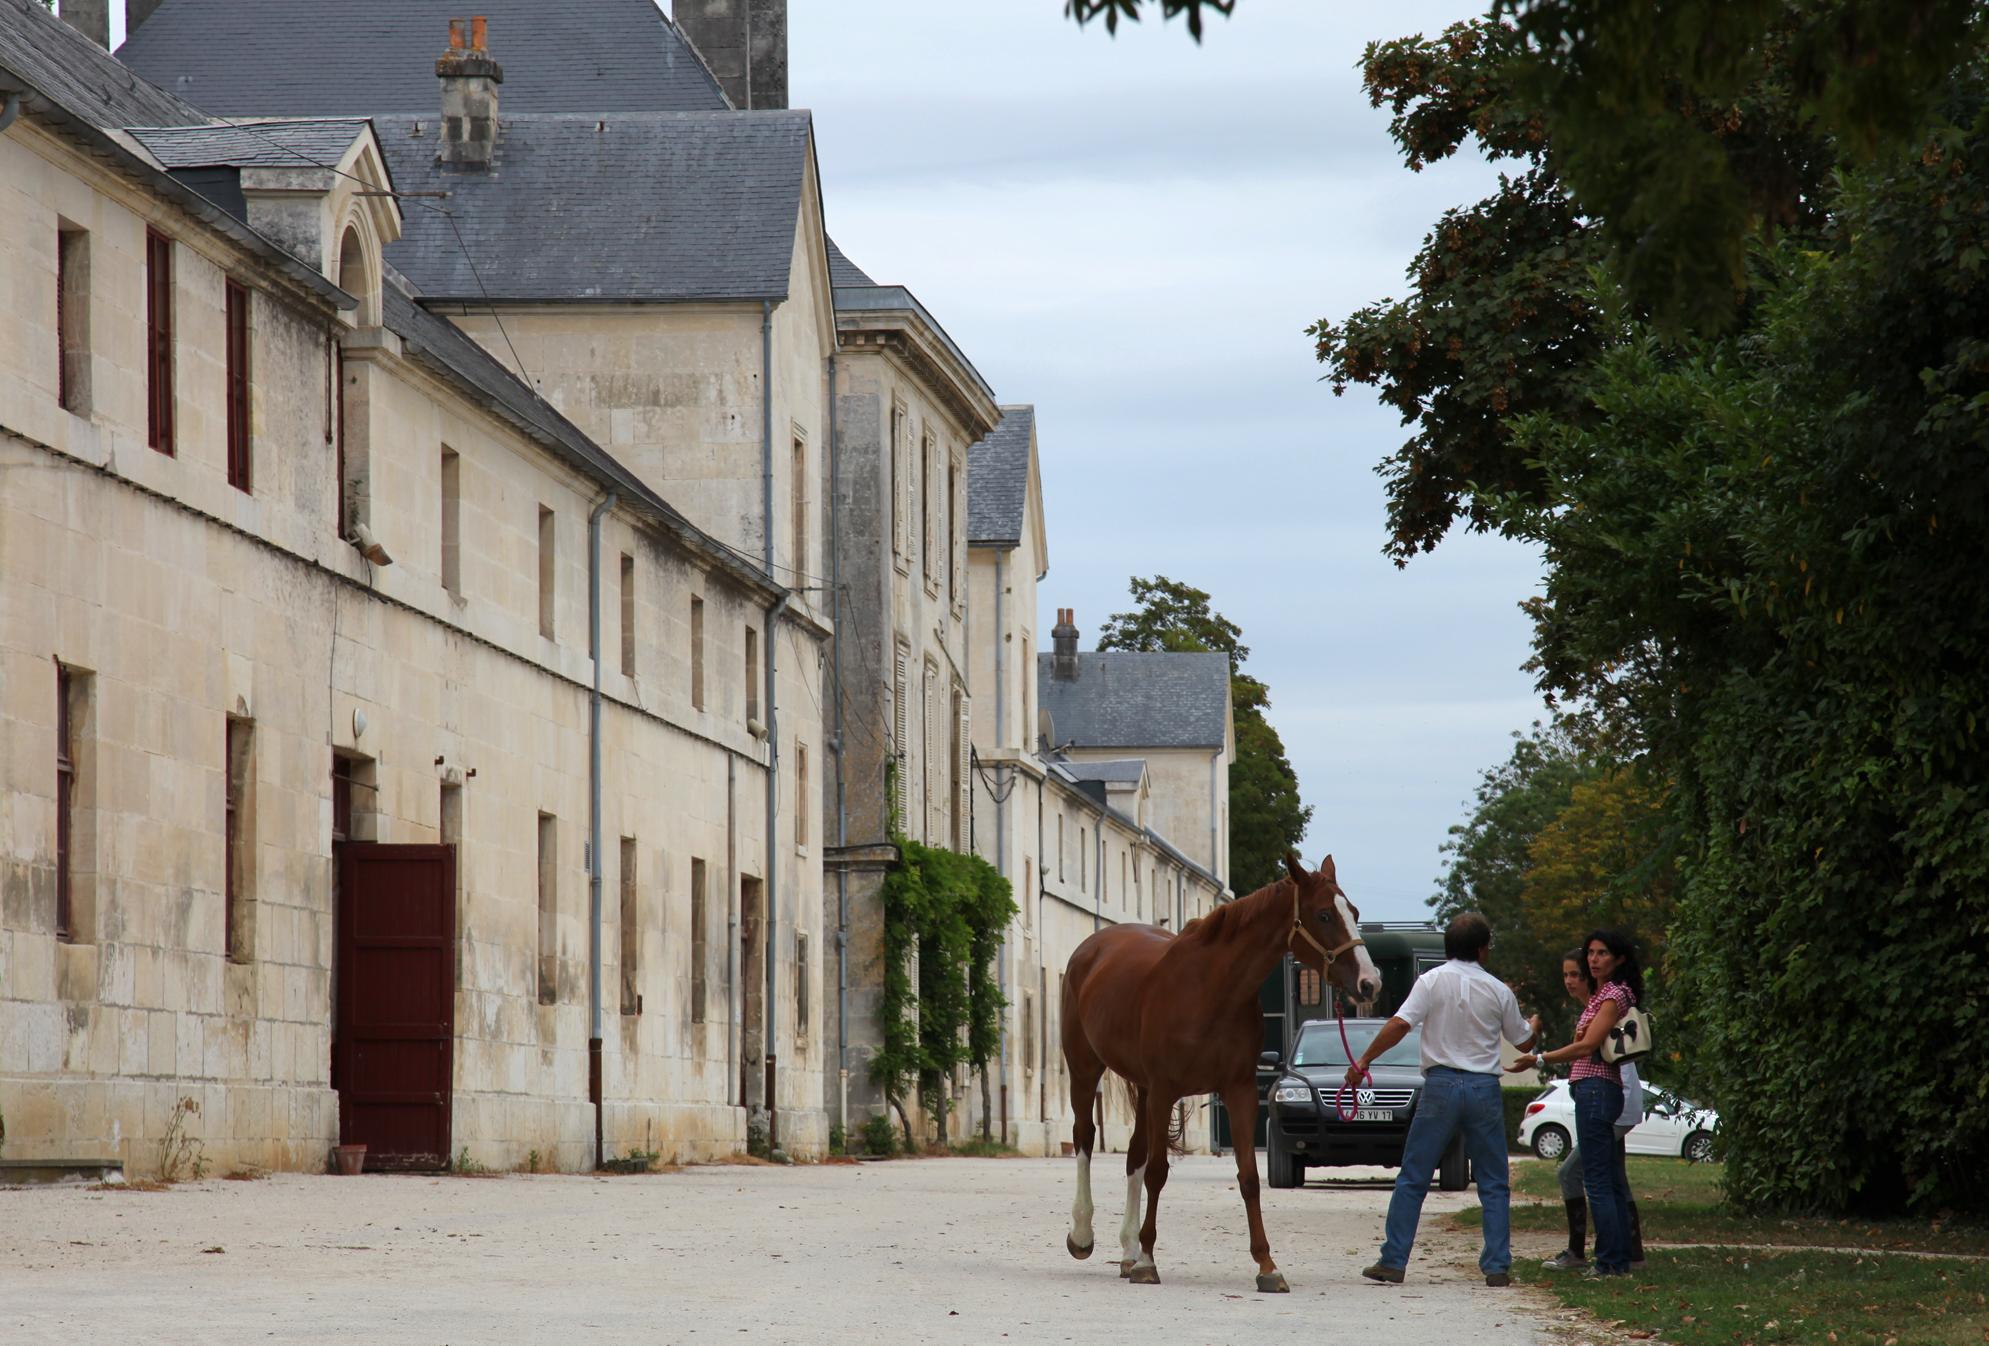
(1597, 1086)
(1568, 1173)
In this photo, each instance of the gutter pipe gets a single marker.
(10, 110)
(594, 818)
(771, 925)
(842, 811)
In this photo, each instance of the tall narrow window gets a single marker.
(1060, 848)
(1028, 893)
(802, 811)
(65, 804)
(901, 736)
(628, 616)
(452, 521)
(548, 572)
(926, 540)
(159, 341)
(954, 505)
(963, 770)
(239, 879)
(801, 1015)
(697, 653)
(1025, 688)
(548, 909)
(901, 487)
(339, 487)
(72, 317)
(631, 946)
(926, 791)
(752, 675)
(700, 950)
(241, 467)
(798, 494)
(1083, 867)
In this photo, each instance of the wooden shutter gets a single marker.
(963, 769)
(956, 529)
(900, 734)
(238, 387)
(159, 341)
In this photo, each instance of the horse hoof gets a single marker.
(1272, 1284)
(1079, 1253)
(1125, 1270)
(1146, 1275)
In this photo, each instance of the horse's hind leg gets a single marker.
(1085, 1072)
(1137, 1152)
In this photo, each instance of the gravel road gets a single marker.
(952, 1250)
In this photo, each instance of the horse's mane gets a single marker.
(1216, 924)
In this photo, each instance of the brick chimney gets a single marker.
(469, 96)
(1063, 667)
(91, 18)
(745, 44)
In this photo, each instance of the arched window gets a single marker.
(356, 278)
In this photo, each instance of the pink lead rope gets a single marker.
(1339, 1106)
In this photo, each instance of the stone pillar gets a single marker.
(745, 44)
(91, 18)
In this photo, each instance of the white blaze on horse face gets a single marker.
(1129, 1228)
(1080, 1211)
(1370, 975)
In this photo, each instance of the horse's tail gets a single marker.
(1177, 1129)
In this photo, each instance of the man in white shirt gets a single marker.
(1464, 1012)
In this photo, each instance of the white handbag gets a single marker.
(1629, 1039)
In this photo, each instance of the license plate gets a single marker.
(1375, 1115)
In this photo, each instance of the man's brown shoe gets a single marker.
(1381, 1271)
(1497, 1278)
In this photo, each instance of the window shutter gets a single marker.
(925, 756)
(963, 768)
(956, 533)
(898, 481)
(900, 736)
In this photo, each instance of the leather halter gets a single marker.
(1298, 928)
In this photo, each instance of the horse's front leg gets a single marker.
(1159, 1102)
(1241, 1100)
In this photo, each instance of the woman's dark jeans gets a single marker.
(1597, 1105)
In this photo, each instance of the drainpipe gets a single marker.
(766, 441)
(842, 812)
(10, 110)
(772, 924)
(1001, 810)
(594, 819)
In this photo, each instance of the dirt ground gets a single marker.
(946, 1250)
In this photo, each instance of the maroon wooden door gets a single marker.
(396, 1002)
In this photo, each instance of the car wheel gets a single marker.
(1455, 1174)
(1698, 1148)
(1550, 1142)
(1281, 1168)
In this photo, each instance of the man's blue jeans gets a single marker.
(1598, 1102)
(1454, 1101)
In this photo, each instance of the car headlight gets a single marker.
(1292, 1093)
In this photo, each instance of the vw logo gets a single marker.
(1363, 1097)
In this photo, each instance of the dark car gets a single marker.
(1305, 1129)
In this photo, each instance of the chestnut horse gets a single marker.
(1178, 1015)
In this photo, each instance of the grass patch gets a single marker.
(1682, 1203)
(1724, 1297)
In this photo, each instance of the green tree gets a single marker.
(1267, 818)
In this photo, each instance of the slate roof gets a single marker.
(652, 206)
(998, 480)
(254, 58)
(844, 272)
(80, 75)
(1126, 700)
(259, 144)
(1126, 771)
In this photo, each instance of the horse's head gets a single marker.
(1326, 933)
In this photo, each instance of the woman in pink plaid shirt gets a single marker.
(1597, 1087)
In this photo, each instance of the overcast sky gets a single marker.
(1132, 234)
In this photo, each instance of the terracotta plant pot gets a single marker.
(348, 1160)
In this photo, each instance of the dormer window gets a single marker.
(359, 276)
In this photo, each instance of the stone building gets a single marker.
(1081, 840)
(651, 262)
(295, 584)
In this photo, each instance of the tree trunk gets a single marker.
(987, 1108)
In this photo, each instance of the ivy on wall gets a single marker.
(945, 915)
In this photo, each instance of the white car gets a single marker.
(1671, 1125)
